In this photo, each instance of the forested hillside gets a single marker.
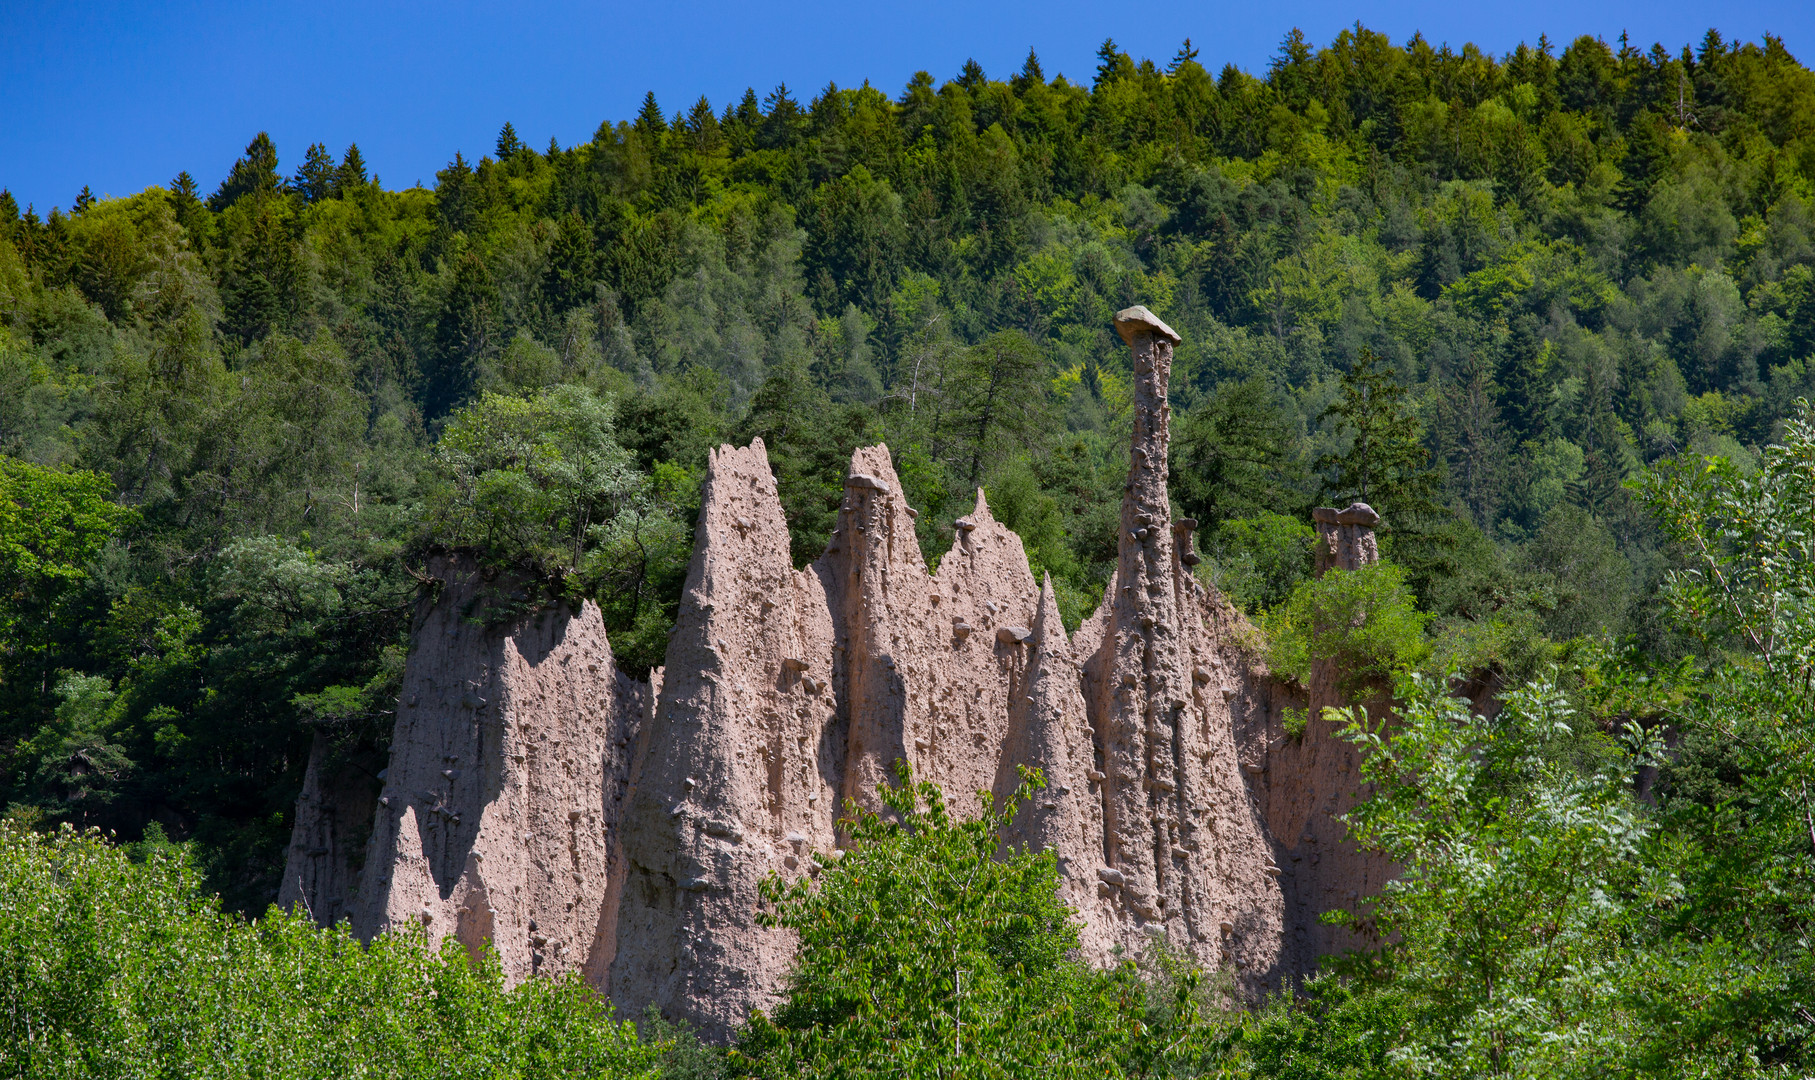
(1481, 292)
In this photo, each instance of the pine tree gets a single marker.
(971, 75)
(315, 178)
(254, 174)
(1031, 73)
(703, 128)
(1385, 464)
(184, 188)
(1229, 456)
(84, 199)
(568, 280)
(1185, 55)
(781, 125)
(508, 143)
(1112, 63)
(9, 207)
(351, 175)
(465, 333)
(650, 121)
(262, 288)
(454, 189)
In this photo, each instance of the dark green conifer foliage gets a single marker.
(650, 122)
(508, 145)
(466, 331)
(350, 175)
(314, 179)
(254, 174)
(1229, 456)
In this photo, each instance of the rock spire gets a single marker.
(579, 820)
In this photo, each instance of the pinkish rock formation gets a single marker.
(578, 820)
(1184, 852)
(1306, 783)
(506, 777)
(327, 843)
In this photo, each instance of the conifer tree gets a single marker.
(1385, 464)
(351, 175)
(508, 143)
(454, 193)
(1031, 73)
(253, 174)
(1112, 64)
(315, 178)
(1185, 55)
(650, 121)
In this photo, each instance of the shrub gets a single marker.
(926, 950)
(1364, 621)
(111, 968)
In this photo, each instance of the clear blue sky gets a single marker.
(120, 96)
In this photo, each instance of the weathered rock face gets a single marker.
(1306, 783)
(506, 778)
(579, 820)
(1183, 849)
(328, 841)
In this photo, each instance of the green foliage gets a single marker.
(1521, 872)
(113, 966)
(1363, 622)
(925, 949)
(1540, 270)
(1259, 561)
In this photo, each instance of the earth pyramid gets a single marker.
(579, 820)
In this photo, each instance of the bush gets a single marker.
(924, 953)
(1257, 561)
(111, 968)
(1363, 621)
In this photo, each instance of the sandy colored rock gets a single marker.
(635, 824)
(506, 776)
(1306, 783)
(327, 843)
(1179, 826)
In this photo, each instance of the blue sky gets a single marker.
(120, 96)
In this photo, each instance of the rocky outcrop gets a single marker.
(328, 841)
(506, 777)
(1306, 781)
(1183, 850)
(538, 799)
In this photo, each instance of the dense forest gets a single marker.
(1502, 298)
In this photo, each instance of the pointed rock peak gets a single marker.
(757, 445)
(871, 469)
(1137, 320)
(981, 513)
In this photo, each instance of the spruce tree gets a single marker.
(254, 174)
(650, 121)
(1031, 73)
(315, 178)
(1185, 55)
(508, 143)
(1385, 463)
(351, 175)
(454, 187)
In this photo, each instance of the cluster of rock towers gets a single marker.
(537, 798)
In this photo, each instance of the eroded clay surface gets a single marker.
(537, 798)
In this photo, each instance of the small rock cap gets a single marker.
(1359, 513)
(1138, 320)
